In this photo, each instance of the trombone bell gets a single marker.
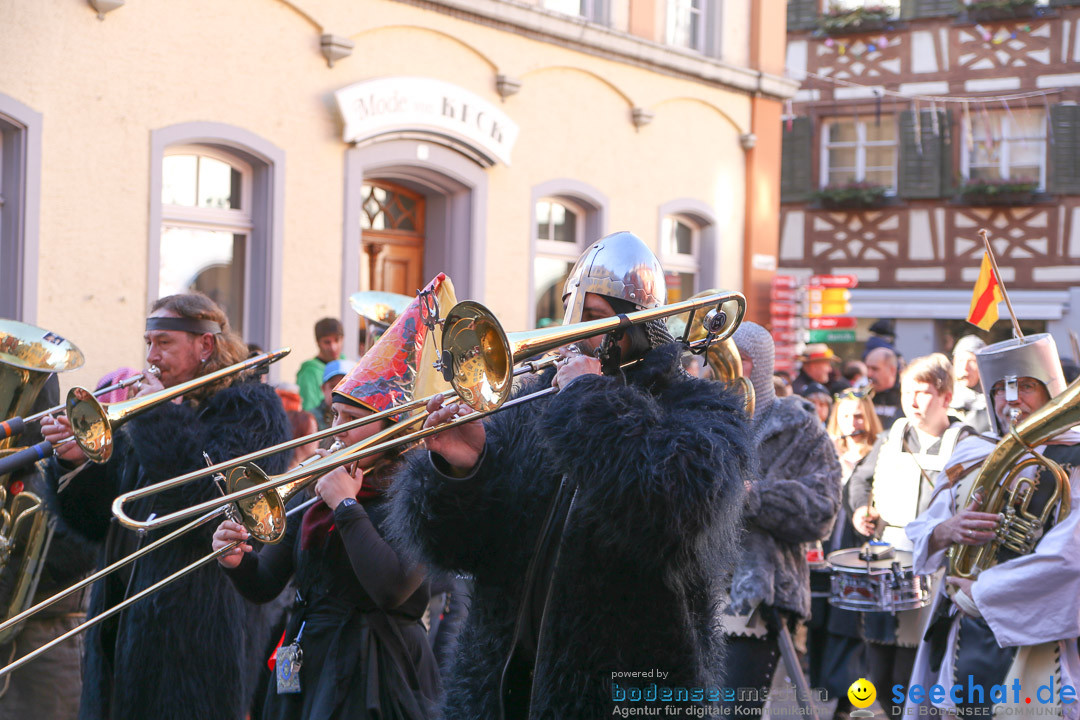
(90, 424)
(264, 514)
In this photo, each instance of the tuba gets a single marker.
(1006, 493)
(28, 357)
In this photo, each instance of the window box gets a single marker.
(999, 192)
(994, 10)
(837, 21)
(852, 196)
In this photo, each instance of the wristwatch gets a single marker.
(347, 502)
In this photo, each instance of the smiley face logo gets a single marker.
(862, 693)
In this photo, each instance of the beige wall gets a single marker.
(104, 86)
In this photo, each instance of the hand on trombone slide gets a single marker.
(572, 364)
(227, 533)
(460, 446)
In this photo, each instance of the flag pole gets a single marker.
(997, 275)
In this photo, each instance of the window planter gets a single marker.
(999, 193)
(853, 196)
(996, 10)
(860, 20)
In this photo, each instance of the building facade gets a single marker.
(283, 154)
(914, 128)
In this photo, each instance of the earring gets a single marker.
(204, 360)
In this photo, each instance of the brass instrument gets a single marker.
(478, 359)
(1006, 493)
(477, 355)
(28, 356)
(92, 423)
(722, 357)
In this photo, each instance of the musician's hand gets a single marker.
(227, 533)
(967, 527)
(149, 384)
(336, 485)
(58, 429)
(865, 520)
(572, 367)
(460, 446)
(961, 584)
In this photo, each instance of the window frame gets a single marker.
(860, 145)
(265, 205)
(1004, 168)
(591, 226)
(595, 11)
(682, 263)
(20, 178)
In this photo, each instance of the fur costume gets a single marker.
(659, 462)
(795, 497)
(193, 649)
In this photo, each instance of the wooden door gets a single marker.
(392, 232)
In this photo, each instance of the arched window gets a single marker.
(560, 226)
(205, 227)
(216, 222)
(680, 247)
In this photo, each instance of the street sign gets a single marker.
(784, 322)
(832, 336)
(828, 295)
(832, 323)
(814, 310)
(784, 281)
(781, 307)
(791, 336)
(834, 281)
(784, 294)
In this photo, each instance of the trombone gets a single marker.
(478, 356)
(478, 360)
(16, 425)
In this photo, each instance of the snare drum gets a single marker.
(883, 585)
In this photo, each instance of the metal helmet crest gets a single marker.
(619, 265)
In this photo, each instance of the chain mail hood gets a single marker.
(755, 342)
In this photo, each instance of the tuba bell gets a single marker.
(28, 357)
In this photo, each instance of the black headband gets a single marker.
(191, 325)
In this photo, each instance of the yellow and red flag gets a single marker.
(983, 313)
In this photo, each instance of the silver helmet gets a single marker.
(619, 265)
(1034, 356)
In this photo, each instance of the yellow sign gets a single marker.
(862, 693)
(828, 295)
(819, 309)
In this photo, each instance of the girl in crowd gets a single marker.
(363, 651)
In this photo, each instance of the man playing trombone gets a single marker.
(594, 522)
(192, 650)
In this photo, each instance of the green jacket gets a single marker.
(309, 378)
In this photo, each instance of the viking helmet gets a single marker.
(620, 266)
(1033, 356)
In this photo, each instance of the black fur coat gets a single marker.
(193, 649)
(660, 463)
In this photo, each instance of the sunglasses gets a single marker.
(866, 391)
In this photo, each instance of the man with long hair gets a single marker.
(191, 650)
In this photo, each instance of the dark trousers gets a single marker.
(980, 657)
(751, 663)
(889, 665)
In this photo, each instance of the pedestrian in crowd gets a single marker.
(334, 371)
(330, 337)
(290, 396)
(357, 620)
(914, 452)
(882, 335)
(1017, 619)
(781, 384)
(882, 367)
(969, 403)
(816, 365)
(836, 648)
(855, 374)
(821, 399)
(793, 500)
(594, 545)
(196, 631)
